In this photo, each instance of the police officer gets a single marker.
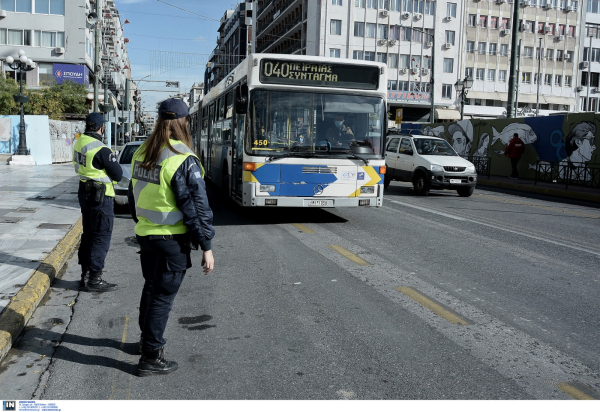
(98, 169)
(167, 199)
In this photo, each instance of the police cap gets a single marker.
(172, 109)
(94, 121)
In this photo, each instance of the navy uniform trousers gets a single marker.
(165, 260)
(97, 220)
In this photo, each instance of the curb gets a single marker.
(16, 315)
(588, 197)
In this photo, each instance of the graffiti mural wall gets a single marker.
(552, 139)
(62, 138)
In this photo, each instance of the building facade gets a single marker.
(589, 66)
(233, 43)
(59, 38)
(396, 32)
(549, 32)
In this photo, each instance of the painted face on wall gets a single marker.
(459, 142)
(585, 148)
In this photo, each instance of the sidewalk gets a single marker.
(39, 230)
(587, 194)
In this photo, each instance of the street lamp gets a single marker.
(462, 87)
(22, 64)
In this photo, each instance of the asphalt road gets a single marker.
(489, 297)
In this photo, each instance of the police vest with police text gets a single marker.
(84, 151)
(155, 203)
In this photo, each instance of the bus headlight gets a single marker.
(367, 190)
(267, 188)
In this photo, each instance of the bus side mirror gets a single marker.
(241, 105)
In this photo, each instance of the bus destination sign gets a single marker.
(301, 73)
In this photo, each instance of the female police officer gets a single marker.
(172, 214)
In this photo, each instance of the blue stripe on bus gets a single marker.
(275, 173)
(293, 189)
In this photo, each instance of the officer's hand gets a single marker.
(208, 261)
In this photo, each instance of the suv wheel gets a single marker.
(386, 181)
(421, 184)
(465, 191)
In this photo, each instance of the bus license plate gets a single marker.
(455, 181)
(319, 203)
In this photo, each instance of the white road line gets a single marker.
(516, 232)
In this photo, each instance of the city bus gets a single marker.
(296, 131)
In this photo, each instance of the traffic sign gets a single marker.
(172, 84)
(398, 116)
(127, 114)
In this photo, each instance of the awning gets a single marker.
(447, 114)
(569, 101)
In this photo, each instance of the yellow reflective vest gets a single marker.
(155, 203)
(84, 151)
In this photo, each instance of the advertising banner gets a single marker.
(77, 73)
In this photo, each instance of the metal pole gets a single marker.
(539, 75)
(513, 60)
(22, 149)
(97, 54)
(589, 77)
(462, 104)
(432, 114)
(518, 74)
(126, 107)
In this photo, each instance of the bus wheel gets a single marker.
(386, 181)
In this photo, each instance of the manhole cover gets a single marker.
(26, 209)
(54, 226)
(45, 197)
(9, 220)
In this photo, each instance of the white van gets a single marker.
(428, 162)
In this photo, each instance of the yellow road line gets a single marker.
(434, 306)
(303, 228)
(349, 255)
(578, 390)
(123, 340)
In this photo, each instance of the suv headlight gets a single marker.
(437, 168)
(470, 169)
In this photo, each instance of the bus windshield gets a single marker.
(315, 123)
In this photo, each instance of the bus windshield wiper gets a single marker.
(355, 156)
(290, 154)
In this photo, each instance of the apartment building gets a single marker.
(399, 33)
(589, 66)
(550, 31)
(58, 37)
(233, 43)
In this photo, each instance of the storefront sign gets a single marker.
(76, 73)
(409, 96)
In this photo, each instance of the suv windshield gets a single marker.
(287, 123)
(435, 147)
(127, 154)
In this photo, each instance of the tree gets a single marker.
(58, 99)
(8, 88)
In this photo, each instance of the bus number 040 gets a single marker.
(274, 70)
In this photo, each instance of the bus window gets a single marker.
(220, 110)
(229, 106)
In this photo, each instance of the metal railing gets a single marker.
(568, 173)
(482, 164)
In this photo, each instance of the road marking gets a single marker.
(516, 232)
(578, 390)
(429, 210)
(434, 306)
(549, 208)
(123, 340)
(303, 228)
(349, 255)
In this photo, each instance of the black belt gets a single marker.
(166, 237)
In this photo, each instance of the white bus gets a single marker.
(296, 131)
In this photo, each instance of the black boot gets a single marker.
(84, 278)
(154, 363)
(95, 283)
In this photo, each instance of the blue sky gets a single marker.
(156, 26)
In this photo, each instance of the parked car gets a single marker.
(428, 162)
(124, 160)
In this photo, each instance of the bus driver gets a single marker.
(339, 133)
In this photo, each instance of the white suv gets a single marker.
(428, 162)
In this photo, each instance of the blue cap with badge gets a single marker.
(94, 121)
(173, 109)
